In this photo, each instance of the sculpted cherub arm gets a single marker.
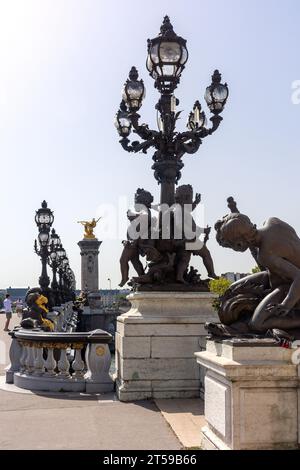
(196, 201)
(287, 272)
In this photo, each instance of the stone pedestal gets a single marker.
(252, 395)
(156, 341)
(89, 250)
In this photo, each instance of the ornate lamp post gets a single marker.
(70, 281)
(44, 219)
(53, 261)
(168, 252)
(61, 253)
(65, 268)
(167, 56)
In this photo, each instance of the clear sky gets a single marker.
(62, 66)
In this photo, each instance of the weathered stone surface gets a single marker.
(159, 347)
(133, 346)
(48, 384)
(170, 328)
(160, 368)
(174, 346)
(251, 402)
(89, 250)
(217, 406)
(139, 389)
(175, 384)
(164, 304)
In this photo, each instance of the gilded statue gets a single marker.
(35, 316)
(89, 228)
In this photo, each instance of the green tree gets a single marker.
(219, 287)
(255, 270)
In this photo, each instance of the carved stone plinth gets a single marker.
(156, 341)
(89, 250)
(251, 395)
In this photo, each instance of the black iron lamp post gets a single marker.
(167, 56)
(44, 219)
(61, 254)
(65, 267)
(53, 261)
(70, 280)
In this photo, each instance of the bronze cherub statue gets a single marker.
(167, 241)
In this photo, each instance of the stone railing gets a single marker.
(70, 318)
(60, 361)
(64, 317)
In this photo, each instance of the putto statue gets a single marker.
(89, 228)
(167, 241)
(137, 235)
(35, 316)
(269, 300)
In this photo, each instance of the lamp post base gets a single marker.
(155, 345)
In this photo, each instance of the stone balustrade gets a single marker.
(70, 318)
(60, 361)
(64, 317)
(61, 316)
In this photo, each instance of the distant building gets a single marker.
(110, 296)
(233, 277)
(17, 293)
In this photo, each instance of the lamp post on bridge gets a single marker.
(44, 219)
(53, 261)
(167, 56)
(168, 290)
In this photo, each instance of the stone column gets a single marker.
(89, 250)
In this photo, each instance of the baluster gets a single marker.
(30, 358)
(78, 364)
(50, 362)
(39, 368)
(23, 357)
(98, 359)
(27, 359)
(63, 363)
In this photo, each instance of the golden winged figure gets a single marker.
(89, 228)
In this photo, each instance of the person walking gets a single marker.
(8, 311)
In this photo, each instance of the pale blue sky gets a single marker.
(62, 66)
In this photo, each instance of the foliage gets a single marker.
(256, 270)
(218, 286)
(1, 301)
(121, 296)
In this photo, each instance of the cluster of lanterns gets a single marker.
(51, 251)
(167, 56)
